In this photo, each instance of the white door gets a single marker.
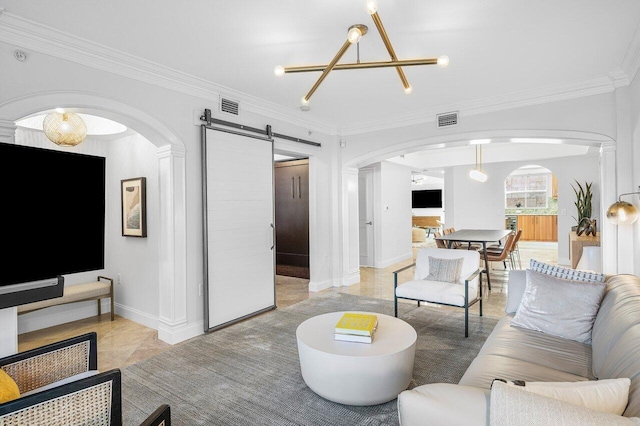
(365, 211)
(239, 234)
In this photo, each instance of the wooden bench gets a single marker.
(96, 290)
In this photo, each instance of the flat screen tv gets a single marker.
(53, 213)
(426, 198)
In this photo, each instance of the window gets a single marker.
(527, 191)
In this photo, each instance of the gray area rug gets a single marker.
(248, 373)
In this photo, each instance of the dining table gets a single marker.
(482, 236)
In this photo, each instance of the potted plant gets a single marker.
(584, 195)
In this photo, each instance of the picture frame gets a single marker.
(134, 207)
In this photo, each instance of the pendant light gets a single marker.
(64, 128)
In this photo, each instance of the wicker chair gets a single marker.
(94, 398)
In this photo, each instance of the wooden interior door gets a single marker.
(292, 218)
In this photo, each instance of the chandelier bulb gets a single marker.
(354, 35)
(408, 90)
(279, 71)
(443, 61)
(478, 175)
(372, 6)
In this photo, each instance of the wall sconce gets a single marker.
(622, 212)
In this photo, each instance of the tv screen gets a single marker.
(53, 213)
(426, 198)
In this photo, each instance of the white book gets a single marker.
(353, 338)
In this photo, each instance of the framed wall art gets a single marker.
(134, 207)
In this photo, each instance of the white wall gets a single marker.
(634, 178)
(134, 260)
(392, 195)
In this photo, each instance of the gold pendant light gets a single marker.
(64, 128)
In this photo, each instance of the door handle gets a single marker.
(369, 223)
(293, 187)
(273, 236)
(299, 187)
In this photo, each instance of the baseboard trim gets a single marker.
(137, 316)
(392, 261)
(351, 278)
(180, 333)
(319, 286)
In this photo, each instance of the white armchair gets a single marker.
(462, 292)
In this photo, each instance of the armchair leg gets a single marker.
(480, 287)
(418, 303)
(466, 321)
(395, 306)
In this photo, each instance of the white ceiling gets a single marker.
(499, 49)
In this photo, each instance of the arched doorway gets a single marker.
(531, 206)
(169, 150)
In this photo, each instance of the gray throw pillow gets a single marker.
(446, 270)
(559, 307)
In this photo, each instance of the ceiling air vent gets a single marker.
(228, 106)
(447, 119)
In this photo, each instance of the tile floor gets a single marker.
(123, 342)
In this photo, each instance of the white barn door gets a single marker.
(239, 235)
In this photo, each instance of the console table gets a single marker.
(576, 243)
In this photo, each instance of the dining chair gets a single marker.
(503, 255)
(514, 253)
(439, 243)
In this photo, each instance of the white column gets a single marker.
(8, 316)
(624, 177)
(350, 228)
(8, 331)
(172, 326)
(608, 231)
(7, 131)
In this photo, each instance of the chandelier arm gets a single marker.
(626, 193)
(387, 44)
(362, 65)
(328, 69)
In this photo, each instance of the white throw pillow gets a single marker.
(512, 406)
(607, 395)
(559, 307)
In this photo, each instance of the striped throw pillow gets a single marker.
(446, 270)
(565, 273)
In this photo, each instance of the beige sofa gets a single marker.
(512, 353)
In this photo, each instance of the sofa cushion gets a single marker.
(565, 273)
(616, 336)
(538, 348)
(444, 404)
(513, 406)
(559, 307)
(607, 396)
(436, 292)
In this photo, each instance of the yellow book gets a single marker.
(355, 323)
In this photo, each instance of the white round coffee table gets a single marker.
(356, 373)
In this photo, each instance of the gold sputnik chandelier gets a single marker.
(354, 35)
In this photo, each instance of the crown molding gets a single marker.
(487, 105)
(38, 37)
(631, 63)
